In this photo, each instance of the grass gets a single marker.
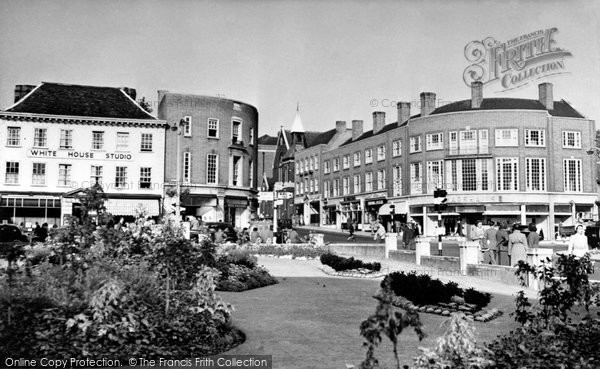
(313, 322)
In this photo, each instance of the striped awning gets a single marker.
(132, 207)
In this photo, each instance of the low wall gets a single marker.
(498, 273)
(370, 250)
(408, 256)
(441, 262)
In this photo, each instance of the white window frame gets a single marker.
(415, 144)
(356, 183)
(397, 180)
(506, 137)
(216, 168)
(346, 161)
(146, 142)
(240, 129)
(368, 181)
(145, 178)
(187, 128)
(397, 148)
(336, 187)
(541, 140)
(357, 159)
(346, 186)
(96, 174)
(13, 136)
(467, 146)
(40, 137)
(38, 174)
(326, 167)
(336, 164)
(576, 139)
(368, 156)
(381, 181)
(12, 172)
(326, 189)
(64, 176)
(435, 168)
(416, 178)
(212, 122)
(577, 184)
(438, 145)
(381, 153)
(186, 167)
(122, 141)
(120, 177)
(500, 178)
(539, 177)
(97, 140)
(251, 135)
(66, 139)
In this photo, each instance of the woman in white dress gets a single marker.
(578, 244)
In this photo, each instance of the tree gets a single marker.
(145, 105)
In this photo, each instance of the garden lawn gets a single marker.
(310, 320)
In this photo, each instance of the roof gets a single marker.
(319, 138)
(81, 101)
(561, 108)
(365, 135)
(297, 126)
(267, 140)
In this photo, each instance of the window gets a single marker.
(469, 175)
(316, 184)
(507, 137)
(66, 138)
(381, 153)
(146, 142)
(211, 168)
(416, 175)
(396, 148)
(346, 161)
(572, 168)
(187, 126)
(326, 189)
(13, 137)
(64, 174)
(297, 167)
(39, 174)
(302, 187)
(251, 136)
(145, 177)
(316, 163)
(12, 172)
(236, 162)
(571, 139)
(97, 140)
(435, 175)
(326, 168)
(397, 178)
(435, 141)
(357, 159)
(346, 187)
(251, 173)
(336, 187)
(483, 141)
(535, 137)
(368, 156)
(236, 131)
(336, 164)
(381, 179)
(120, 177)
(453, 145)
(507, 174)
(187, 167)
(368, 182)
(536, 174)
(122, 141)
(467, 142)
(96, 175)
(213, 128)
(40, 138)
(415, 144)
(357, 183)
(312, 163)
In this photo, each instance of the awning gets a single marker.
(131, 207)
(236, 203)
(399, 208)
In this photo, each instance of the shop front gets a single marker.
(237, 211)
(331, 214)
(17, 209)
(372, 211)
(392, 214)
(351, 211)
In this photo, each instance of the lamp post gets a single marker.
(177, 128)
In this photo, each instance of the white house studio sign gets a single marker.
(516, 62)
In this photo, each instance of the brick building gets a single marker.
(267, 146)
(60, 138)
(500, 159)
(219, 154)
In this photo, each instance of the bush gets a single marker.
(339, 263)
(481, 299)
(239, 272)
(295, 251)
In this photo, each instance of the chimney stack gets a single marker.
(161, 94)
(476, 94)
(130, 91)
(22, 90)
(427, 103)
(378, 121)
(340, 126)
(357, 129)
(546, 95)
(403, 111)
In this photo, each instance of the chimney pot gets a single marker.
(340, 126)
(546, 95)
(476, 94)
(357, 129)
(378, 121)
(403, 111)
(427, 103)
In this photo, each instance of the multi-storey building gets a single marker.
(218, 155)
(500, 159)
(267, 146)
(58, 139)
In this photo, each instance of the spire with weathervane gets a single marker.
(298, 132)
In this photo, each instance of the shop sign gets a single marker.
(281, 185)
(461, 199)
(63, 154)
(349, 198)
(265, 196)
(376, 202)
(375, 195)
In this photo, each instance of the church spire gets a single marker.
(297, 126)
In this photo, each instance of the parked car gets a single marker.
(11, 233)
(230, 233)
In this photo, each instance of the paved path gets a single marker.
(311, 320)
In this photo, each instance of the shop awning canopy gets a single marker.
(132, 207)
(399, 208)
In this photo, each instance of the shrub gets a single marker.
(339, 263)
(295, 251)
(481, 299)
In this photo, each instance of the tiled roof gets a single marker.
(365, 135)
(561, 108)
(81, 101)
(319, 138)
(267, 140)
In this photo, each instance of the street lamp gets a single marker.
(177, 128)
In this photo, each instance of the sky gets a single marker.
(340, 60)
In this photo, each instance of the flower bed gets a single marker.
(291, 251)
(339, 263)
(239, 272)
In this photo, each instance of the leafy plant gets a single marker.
(472, 296)
(339, 263)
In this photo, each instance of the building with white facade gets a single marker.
(58, 139)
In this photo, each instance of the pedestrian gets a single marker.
(517, 246)
(254, 236)
(477, 234)
(459, 228)
(293, 236)
(492, 243)
(578, 243)
(351, 231)
(533, 239)
(502, 244)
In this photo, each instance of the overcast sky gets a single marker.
(334, 57)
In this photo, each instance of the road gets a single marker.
(336, 237)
